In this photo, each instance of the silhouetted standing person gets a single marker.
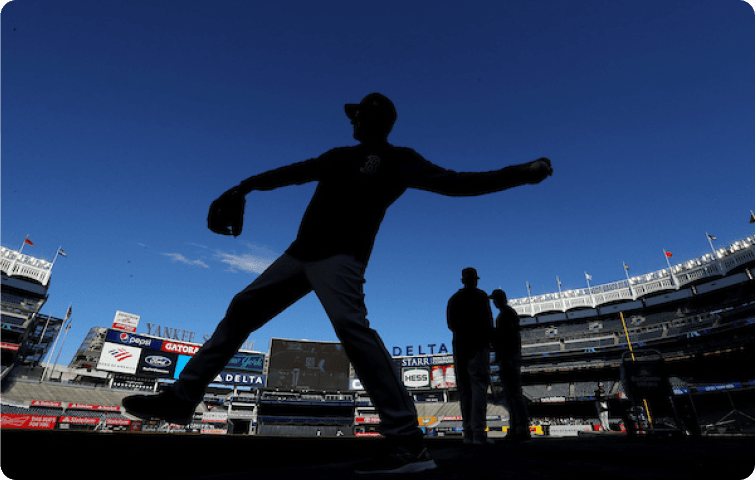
(601, 405)
(507, 345)
(471, 321)
(355, 187)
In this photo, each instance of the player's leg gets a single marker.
(278, 287)
(463, 387)
(479, 379)
(520, 404)
(275, 289)
(338, 283)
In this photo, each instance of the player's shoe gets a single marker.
(400, 460)
(164, 406)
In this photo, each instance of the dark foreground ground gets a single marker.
(50, 455)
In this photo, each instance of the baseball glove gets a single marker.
(226, 215)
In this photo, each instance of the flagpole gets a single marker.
(589, 289)
(57, 337)
(55, 258)
(710, 240)
(560, 295)
(22, 245)
(68, 327)
(629, 282)
(670, 272)
(532, 307)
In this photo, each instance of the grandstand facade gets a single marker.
(27, 335)
(699, 316)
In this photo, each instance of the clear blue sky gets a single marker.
(123, 120)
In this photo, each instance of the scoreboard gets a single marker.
(307, 365)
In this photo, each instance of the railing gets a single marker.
(709, 265)
(15, 263)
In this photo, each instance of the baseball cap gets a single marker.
(469, 272)
(375, 103)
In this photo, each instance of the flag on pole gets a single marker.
(752, 216)
(68, 313)
(588, 277)
(26, 242)
(669, 255)
(710, 240)
(61, 252)
(626, 267)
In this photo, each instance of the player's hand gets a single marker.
(540, 169)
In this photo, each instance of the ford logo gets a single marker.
(158, 361)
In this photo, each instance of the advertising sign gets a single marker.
(247, 362)
(46, 403)
(182, 348)
(96, 408)
(9, 346)
(125, 321)
(373, 420)
(416, 377)
(156, 363)
(80, 420)
(425, 421)
(33, 422)
(645, 379)
(119, 358)
(426, 361)
(235, 378)
(116, 336)
(118, 421)
(450, 376)
(438, 377)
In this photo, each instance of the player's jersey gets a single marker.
(356, 185)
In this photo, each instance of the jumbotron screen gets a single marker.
(301, 365)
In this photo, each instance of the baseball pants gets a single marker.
(472, 379)
(511, 380)
(338, 283)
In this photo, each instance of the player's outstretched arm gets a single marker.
(294, 174)
(448, 182)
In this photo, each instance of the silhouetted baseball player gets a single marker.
(470, 319)
(507, 344)
(355, 187)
